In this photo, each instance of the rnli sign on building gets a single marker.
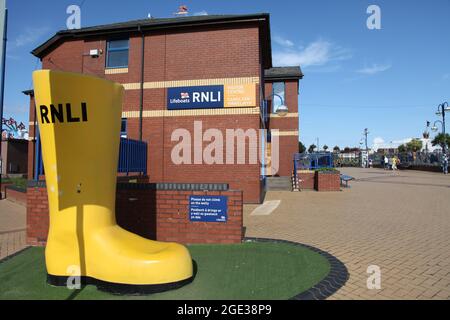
(211, 97)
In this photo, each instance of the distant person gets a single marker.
(395, 162)
(390, 162)
(445, 163)
(370, 163)
(386, 163)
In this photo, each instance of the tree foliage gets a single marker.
(414, 145)
(301, 147)
(402, 148)
(439, 140)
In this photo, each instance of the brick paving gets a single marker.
(397, 221)
(12, 228)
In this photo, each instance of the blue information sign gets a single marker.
(208, 208)
(203, 97)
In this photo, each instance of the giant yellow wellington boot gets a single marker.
(79, 120)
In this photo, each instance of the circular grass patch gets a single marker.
(251, 270)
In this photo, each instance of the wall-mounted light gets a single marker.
(95, 53)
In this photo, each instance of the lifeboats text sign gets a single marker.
(208, 208)
(211, 97)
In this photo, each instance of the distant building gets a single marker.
(166, 65)
(14, 158)
(349, 154)
(392, 147)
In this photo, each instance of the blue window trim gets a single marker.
(108, 50)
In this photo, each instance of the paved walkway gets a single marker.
(397, 221)
(12, 228)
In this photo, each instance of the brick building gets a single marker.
(14, 156)
(158, 59)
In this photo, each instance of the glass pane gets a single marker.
(117, 59)
(118, 44)
(278, 89)
(123, 128)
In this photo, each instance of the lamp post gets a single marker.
(426, 136)
(435, 129)
(366, 160)
(442, 108)
(282, 110)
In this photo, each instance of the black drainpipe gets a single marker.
(141, 107)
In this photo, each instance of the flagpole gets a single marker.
(2, 92)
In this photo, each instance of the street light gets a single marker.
(442, 108)
(282, 110)
(434, 128)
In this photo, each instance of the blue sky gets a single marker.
(389, 80)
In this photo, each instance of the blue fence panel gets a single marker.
(132, 157)
(313, 161)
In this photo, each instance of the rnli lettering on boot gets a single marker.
(63, 113)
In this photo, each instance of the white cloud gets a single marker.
(380, 143)
(374, 69)
(201, 13)
(317, 53)
(283, 42)
(30, 36)
(378, 140)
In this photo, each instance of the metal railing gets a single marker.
(132, 157)
(313, 161)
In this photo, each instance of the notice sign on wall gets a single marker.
(211, 97)
(208, 208)
(240, 95)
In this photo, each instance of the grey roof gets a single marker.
(283, 73)
(162, 23)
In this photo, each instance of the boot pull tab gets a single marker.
(79, 188)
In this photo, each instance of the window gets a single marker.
(117, 54)
(123, 128)
(278, 88)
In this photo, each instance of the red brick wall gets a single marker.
(288, 144)
(173, 219)
(244, 177)
(150, 213)
(196, 53)
(328, 181)
(308, 179)
(288, 147)
(66, 57)
(37, 216)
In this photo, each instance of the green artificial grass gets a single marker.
(251, 270)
